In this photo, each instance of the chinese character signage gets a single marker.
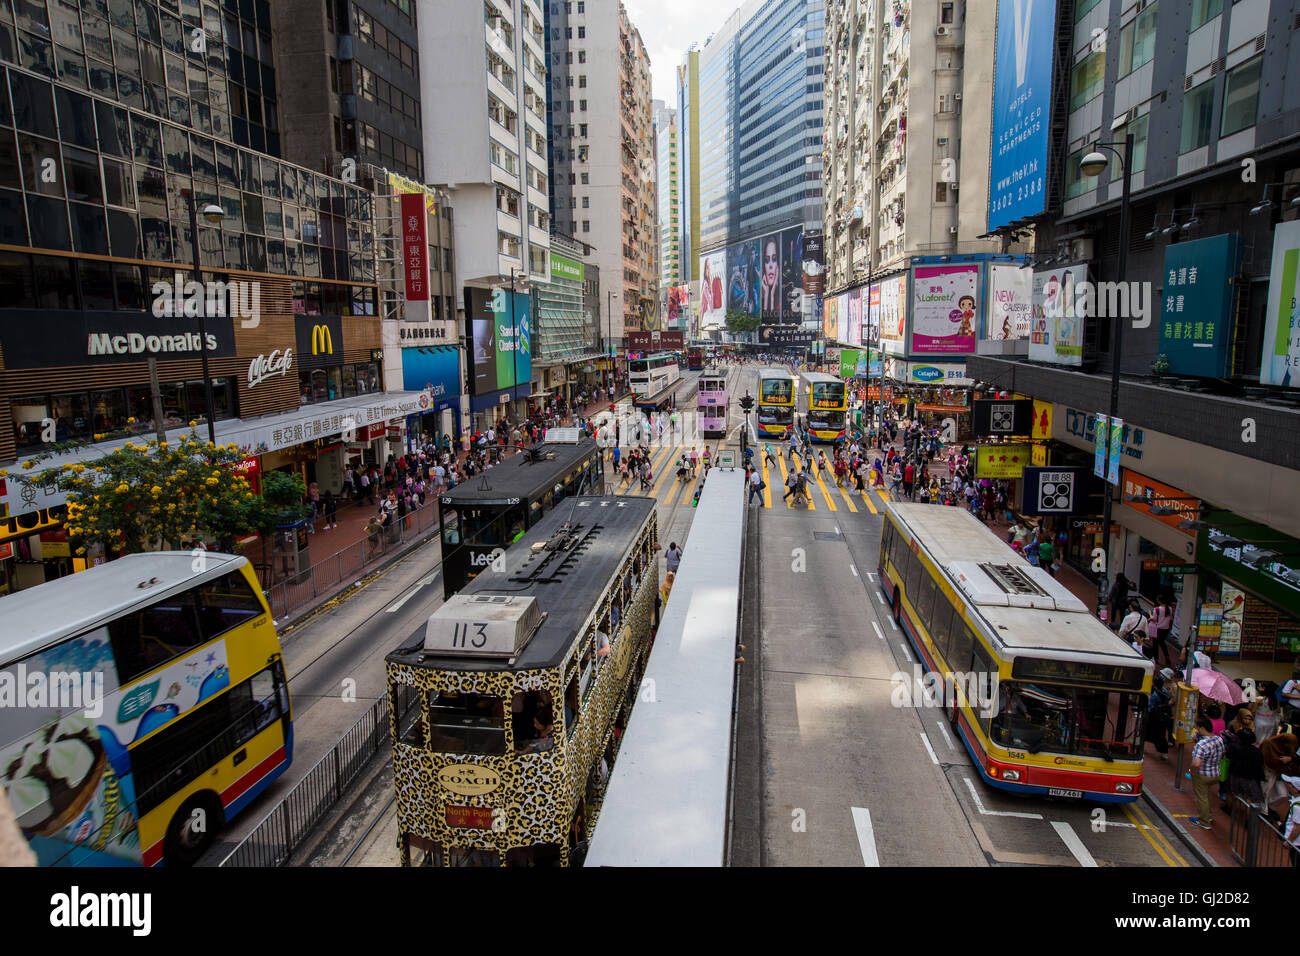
(1053, 491)
(415, 247)
(1001, 461)
(1196, 312)
(945, 316)
(1022, 99)
(1042, 428)
(1281, 359)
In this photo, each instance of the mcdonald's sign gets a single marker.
(319, 339)
(322, 343)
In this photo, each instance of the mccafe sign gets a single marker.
(269, 366)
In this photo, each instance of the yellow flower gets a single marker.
(3, 473)
(123, 488)
(193, 422)
(67, 467)
(29, 464)
(78, 468)
(155, 490)
(130, 421)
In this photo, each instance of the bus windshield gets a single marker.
(828, 395)
(1058, 718)
(776, 390)
(775, 415)
(825, 421)
(638, 365)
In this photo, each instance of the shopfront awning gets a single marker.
(255, 437)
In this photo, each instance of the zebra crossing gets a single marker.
(824, 493)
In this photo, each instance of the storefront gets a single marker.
(931, 392)
(435, 369)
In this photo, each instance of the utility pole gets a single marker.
(156, 391)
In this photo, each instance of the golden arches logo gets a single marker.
(321, 340)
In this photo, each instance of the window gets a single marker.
(1138, 161)
(224, 603)
(1198, 107)
(912, 583)
(582, 80)
(582, 105)
(940, 192)
(945, 13)
(923, 602)
(582, 33)
(1076, 183)
(1137, 41)
(1082, 7)
(585, 177)
(1088, 79)
(466, 723)
(148, 638)
(1203, 11)
(586, 225)
(1241, 97)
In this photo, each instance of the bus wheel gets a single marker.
(898, 613)
(192, 830)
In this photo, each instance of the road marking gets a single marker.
(853, 569)
(934, 759)
(1072, 841)
(871, 577)
(870, 505)
(836, 527)
(397, 605)
(876, 628)
(948, 740)
(979, 805)
(866, 836)
(906, 653)
(879, 598)
(1153, 836)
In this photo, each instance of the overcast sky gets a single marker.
(667, 28)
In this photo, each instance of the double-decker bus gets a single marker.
(776, 388)
(695, 358)
(524, 683)
(1046, 699)
(483, 516)
(711, 403)
(162, 708)
(652, 375)
(824, 403)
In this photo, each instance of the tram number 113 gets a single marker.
(460, 635)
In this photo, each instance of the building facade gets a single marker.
(350, 73)
(668, 194)
(97, 265)
(602, 157)
(1215, 173)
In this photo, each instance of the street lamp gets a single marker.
(1094, 164)
(213, 215)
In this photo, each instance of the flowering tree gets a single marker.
(155, 495)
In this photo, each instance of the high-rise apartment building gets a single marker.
(483, 100)
(350, 84)
(667, 185)
(907, 134)
(602, 155)
(688, 144)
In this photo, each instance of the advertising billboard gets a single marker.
(792, 297)
(1022, 92)
(893, 313)
(769, 279)
(494, 329)
(814, 265)
(1196, 304)
(1056, 334)
(945, 309)
(830, 310)
(676, 307)
(871, 316)
(1280, 364)
(853, 330)
(848, 363)
(1011, 302)
(742, 277)
(713, 302)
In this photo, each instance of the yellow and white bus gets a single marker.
(142, 704)
(1045, 697)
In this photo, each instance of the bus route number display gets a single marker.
(1077, 672)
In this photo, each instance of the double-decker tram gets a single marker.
(155, 708)
(519, 689)
(481, 517)
(823, 401)
(776, 400)
(1046, 699)
(695, 358)
(711, 403)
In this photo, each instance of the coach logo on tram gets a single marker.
(469, 780)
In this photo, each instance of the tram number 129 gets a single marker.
(460, 635)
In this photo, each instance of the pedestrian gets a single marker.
(673, 557)
(1134, 626)
(1292, 823)
(1207, 756)
(909, 479)
(1047, 556)
(331, 511)
(1279, 754)
(791, 484)
(313, 498)
(756, 486)
(349, 483)
(1245, 765)
(1162, 620)
(1118, 597)
(1160, 717)
(374, 528)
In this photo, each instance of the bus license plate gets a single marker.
(1056, 792)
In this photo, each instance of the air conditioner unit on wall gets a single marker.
(943, 31)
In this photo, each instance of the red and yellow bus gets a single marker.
(1046, 699)
(154, 708)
